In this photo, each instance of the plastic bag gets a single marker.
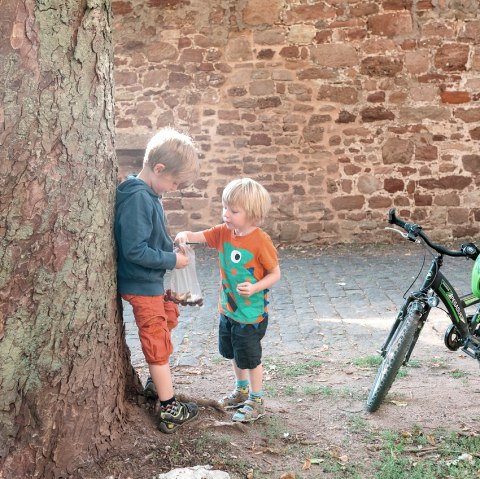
(184, 285)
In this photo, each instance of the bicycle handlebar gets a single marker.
(468, 250)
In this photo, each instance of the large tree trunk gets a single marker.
(63, 359)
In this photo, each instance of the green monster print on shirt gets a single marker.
(233, 261)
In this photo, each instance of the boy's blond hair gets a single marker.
(248, 195)
(177, 152)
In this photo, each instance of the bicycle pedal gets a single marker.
(472, 349)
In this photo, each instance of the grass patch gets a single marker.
(327, 391)
(457, 374)
(410, 454)
(293, 369)
(439, 363)
(209, 440)
(318, 390)
(368, 361)
(358, 424)
(438, 455)
(290, 390)
(275, 428)
(414, 363)
(271, 390)
(336, 466)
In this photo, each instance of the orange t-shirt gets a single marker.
(242, 258)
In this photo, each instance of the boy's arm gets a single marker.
(247, 289)
(135, 227)
(190, 237)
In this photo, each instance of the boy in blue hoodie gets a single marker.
(145, 252)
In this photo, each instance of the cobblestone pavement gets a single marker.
(342, 297)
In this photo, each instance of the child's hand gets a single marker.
(182, 261)
(245, 289)
(181, 237)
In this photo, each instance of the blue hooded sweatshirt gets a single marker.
(145, 249)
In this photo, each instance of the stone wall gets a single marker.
(341, 108)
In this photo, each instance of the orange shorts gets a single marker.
(155, 318)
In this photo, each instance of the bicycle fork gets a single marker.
(418, 306)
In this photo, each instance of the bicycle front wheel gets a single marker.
(395, 355)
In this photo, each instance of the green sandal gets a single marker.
(235, 400)
(250, 411)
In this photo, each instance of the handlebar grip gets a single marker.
(394, 220)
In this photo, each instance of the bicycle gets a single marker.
(464, 332)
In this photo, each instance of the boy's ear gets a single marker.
(158, 168)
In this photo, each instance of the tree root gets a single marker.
(208, 403)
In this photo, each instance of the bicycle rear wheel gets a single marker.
(395, 355)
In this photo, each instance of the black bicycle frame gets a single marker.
(454, 303)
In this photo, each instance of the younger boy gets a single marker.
(248, 266)
(145, 252)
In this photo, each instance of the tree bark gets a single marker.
(64, 364)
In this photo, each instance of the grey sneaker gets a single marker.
(150, 391)
(172, 419)
(234, 400)
(250, 412)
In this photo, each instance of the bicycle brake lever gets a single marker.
(401, 233)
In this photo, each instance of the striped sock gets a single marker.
(169, 405)
(242, 385)
(255, 396)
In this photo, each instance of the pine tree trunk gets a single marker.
(63, 360)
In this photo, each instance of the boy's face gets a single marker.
(236, 218)
(163, 182)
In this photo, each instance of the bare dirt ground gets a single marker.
(316, 426)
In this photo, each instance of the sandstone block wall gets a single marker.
(341, 108)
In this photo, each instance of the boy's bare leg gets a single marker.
(240, 374)
(255, 377)
(162, 378)
(252, 377)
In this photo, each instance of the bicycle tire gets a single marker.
(395, 355)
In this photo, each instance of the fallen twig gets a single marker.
(423, 450)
